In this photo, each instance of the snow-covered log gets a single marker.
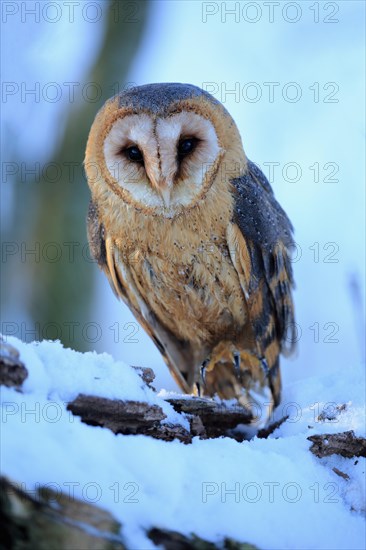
(47, 520)
(93, 457)
(207, 418)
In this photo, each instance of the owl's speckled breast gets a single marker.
(188, 280)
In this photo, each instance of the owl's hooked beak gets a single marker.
(163, 186)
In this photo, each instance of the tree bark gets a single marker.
(345, 444)
(12, 371)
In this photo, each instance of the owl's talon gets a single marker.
(203, 370)
(264, 366)
(237, 362)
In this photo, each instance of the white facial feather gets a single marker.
(125, 132)
(158, 141)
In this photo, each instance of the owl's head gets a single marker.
(162, 147)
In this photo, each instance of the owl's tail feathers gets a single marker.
(240, 375)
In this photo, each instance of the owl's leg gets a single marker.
(259, 390)
(222, 374)
(234, 373)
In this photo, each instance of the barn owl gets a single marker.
(192, 239)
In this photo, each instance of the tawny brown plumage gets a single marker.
(193, 242)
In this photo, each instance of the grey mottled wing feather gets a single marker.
(268, 235)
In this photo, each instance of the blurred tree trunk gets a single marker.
(52, 216)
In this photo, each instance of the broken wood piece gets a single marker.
(126, 417)
(340, 473)
(217, 418)
(12, 370)
(172, 540)
(265, 432)
(147, 375)
(345, 444)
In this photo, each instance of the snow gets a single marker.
(60, 374)
(271, 492)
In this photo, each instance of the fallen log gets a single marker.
(47, 520)
(50, 520)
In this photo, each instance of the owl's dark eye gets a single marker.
(186, 146)
(134, 154)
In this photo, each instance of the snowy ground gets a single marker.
(272, 492)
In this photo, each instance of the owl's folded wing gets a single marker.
(112, 263)
(259, 240)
